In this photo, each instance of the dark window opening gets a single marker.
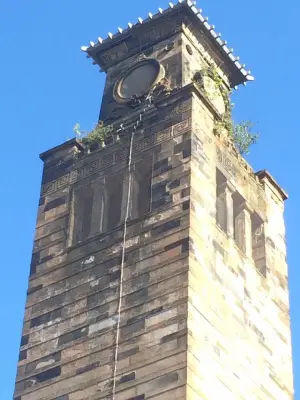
(114, 194)
(82, 212)
(141, 191)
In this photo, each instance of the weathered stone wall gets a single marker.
(239, 343)
(70, 326)
(200, 317)
(204, 301)
(198, 54)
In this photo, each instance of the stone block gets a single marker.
(102, 325)
(74, 335)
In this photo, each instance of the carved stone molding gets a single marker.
(111, 159)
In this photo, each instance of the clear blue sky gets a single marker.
(47, 85)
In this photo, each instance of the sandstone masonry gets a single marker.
(159, 261)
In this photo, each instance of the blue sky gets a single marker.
(47, 85)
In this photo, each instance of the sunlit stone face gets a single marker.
(214, 94)
(138, 81)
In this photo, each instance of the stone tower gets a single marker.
(159, 263)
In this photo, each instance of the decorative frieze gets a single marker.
(111, 159)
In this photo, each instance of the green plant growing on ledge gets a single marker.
(240, 133)
(94, 138)
(243, 137)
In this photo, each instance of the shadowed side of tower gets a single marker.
(158, 269)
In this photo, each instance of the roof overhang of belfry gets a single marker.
(238, 72)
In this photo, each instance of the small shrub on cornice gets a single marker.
(243, 137)
(240, 133)
(94, 138)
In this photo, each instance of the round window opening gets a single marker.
(189, 49)
(138, 80)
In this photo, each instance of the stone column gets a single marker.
(243, 229)
(259, 246)
(225, 208)
(229, 209)
(221, 211)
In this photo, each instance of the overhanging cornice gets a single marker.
(241, 75)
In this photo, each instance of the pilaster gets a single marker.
(243, 230)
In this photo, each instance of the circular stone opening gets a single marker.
(138, 80)
(189, 49)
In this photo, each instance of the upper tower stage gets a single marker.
(158, 27)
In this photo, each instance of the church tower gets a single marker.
(159, 262)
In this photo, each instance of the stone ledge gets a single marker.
(62, 147)
(264, 174)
